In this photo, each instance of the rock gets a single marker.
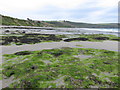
(73, 39)
(101, 38)
(23, 53)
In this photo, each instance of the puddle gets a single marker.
(82, 56)
(7, 82)
(47, 61)
(60, 81)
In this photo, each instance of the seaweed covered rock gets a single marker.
(55, 53)
(74, 39)
(29, 40)
(9, 39)
(54, 38)
(116, 39)
(23, 53)
(101, 38)
(4, 43)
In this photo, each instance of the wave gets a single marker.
(102, 29)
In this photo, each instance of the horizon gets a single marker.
(84, 11)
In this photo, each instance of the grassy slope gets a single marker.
(19, 22)
(82, 25)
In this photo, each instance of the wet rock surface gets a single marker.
(29, 39)
(101, 38)
(74, 39)
(23, 53)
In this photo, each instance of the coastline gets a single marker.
(10, 57)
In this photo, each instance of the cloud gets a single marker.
(74, 10)
(22, 5)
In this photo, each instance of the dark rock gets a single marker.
(5, 43)
(101, 38)
(33, 67)
(29, 40)
(56, 54)
(73, 39)
(7, 31)
(116, 39)
(23, 53)
(106, 63)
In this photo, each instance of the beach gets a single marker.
(61, 44)
(57, 48)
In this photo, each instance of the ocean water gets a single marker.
(113, 31)
(104, 29)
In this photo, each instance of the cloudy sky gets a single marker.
(91, 11)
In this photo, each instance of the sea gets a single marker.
(112, 31)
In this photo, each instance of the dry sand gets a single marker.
(108, 45)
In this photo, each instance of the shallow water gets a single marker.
(81, 56)
(113, 31)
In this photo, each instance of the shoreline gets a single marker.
(61, 31)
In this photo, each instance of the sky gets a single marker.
(89, 11)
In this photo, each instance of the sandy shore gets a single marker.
(108, 45)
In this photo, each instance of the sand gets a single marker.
(107, 45)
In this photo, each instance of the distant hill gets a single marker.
(10, 21)
(82, 25)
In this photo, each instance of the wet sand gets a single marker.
(107, 45)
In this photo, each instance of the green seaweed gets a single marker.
(47, 68)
